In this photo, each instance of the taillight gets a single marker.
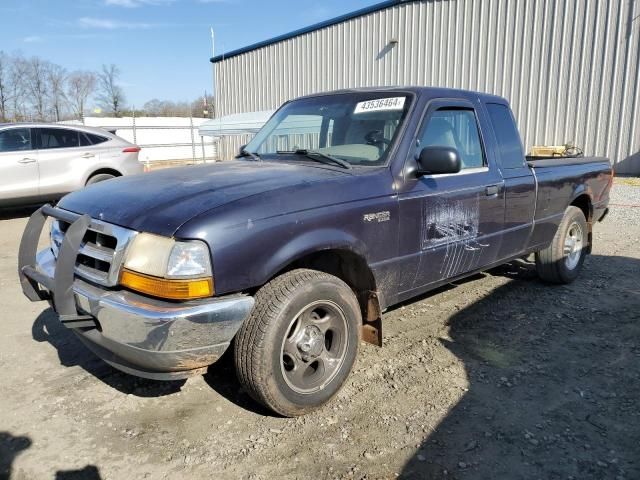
(134, 149)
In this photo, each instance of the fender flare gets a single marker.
(584, 190)
(308, 243)
(580, 190)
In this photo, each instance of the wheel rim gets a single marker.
(573, 243)
(314, 347)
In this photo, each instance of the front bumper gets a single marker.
(139, 335)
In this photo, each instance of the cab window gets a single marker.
(457, 128)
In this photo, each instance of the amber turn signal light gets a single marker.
(187, 289)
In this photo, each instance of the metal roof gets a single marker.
(311, 28)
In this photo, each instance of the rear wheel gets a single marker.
(300, 342)
(562, 261)
(100, 177)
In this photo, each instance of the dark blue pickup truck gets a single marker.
(342, 205)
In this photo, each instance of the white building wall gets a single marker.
(570, 68)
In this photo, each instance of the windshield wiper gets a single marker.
(253, 156)
(319, 157)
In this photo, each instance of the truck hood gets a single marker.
(159, 202)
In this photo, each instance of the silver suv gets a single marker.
(42, 161)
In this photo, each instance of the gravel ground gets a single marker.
(499, 376)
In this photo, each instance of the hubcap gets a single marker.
(311, 343)
(314, 347)
(573, 244)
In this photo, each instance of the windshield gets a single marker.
(358, 128)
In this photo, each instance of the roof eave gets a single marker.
(317, 26)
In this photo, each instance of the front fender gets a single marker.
(305, 244)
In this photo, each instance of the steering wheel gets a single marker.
(376, 138)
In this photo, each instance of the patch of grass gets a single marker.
(501, 358)
(631, 181)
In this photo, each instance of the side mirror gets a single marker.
(438, 160)
(241, 149)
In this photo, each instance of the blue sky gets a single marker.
(161, 46)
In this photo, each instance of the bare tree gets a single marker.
(153, 107)
(165, 108)
(168, 108)
(18, 88)
(201, 105)
(111, 94)
(57, 77)
(36, 82)
(80, 86)
(5, 70)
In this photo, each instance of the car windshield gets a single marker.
(355, 128)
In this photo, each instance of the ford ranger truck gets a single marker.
(343, 204)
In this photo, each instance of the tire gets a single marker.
(100, 177)
(299, 343)
(562, 260)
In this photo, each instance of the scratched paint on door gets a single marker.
(453, 225)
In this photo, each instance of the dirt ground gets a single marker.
(500, 376)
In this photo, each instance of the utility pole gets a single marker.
(213, 43)
(213, 72)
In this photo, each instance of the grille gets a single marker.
(101, 251)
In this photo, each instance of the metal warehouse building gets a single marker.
(570, 68)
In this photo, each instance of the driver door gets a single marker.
(452, 223)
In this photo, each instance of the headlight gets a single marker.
(168, 268)
(189, 259)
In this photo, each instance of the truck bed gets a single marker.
(561, 180)
(541, 162)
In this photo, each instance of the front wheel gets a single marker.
(300, 342)
(561, 261)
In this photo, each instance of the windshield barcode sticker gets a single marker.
(391, 103)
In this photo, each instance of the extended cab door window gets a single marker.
(520, 188)
(456, 128)
(508, 137)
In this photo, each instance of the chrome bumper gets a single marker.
(143, 336)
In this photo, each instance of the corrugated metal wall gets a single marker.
(569, 68)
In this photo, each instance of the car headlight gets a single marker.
(168, 268)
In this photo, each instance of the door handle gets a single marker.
(27, 160)
(88, 155)
(492, 190)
